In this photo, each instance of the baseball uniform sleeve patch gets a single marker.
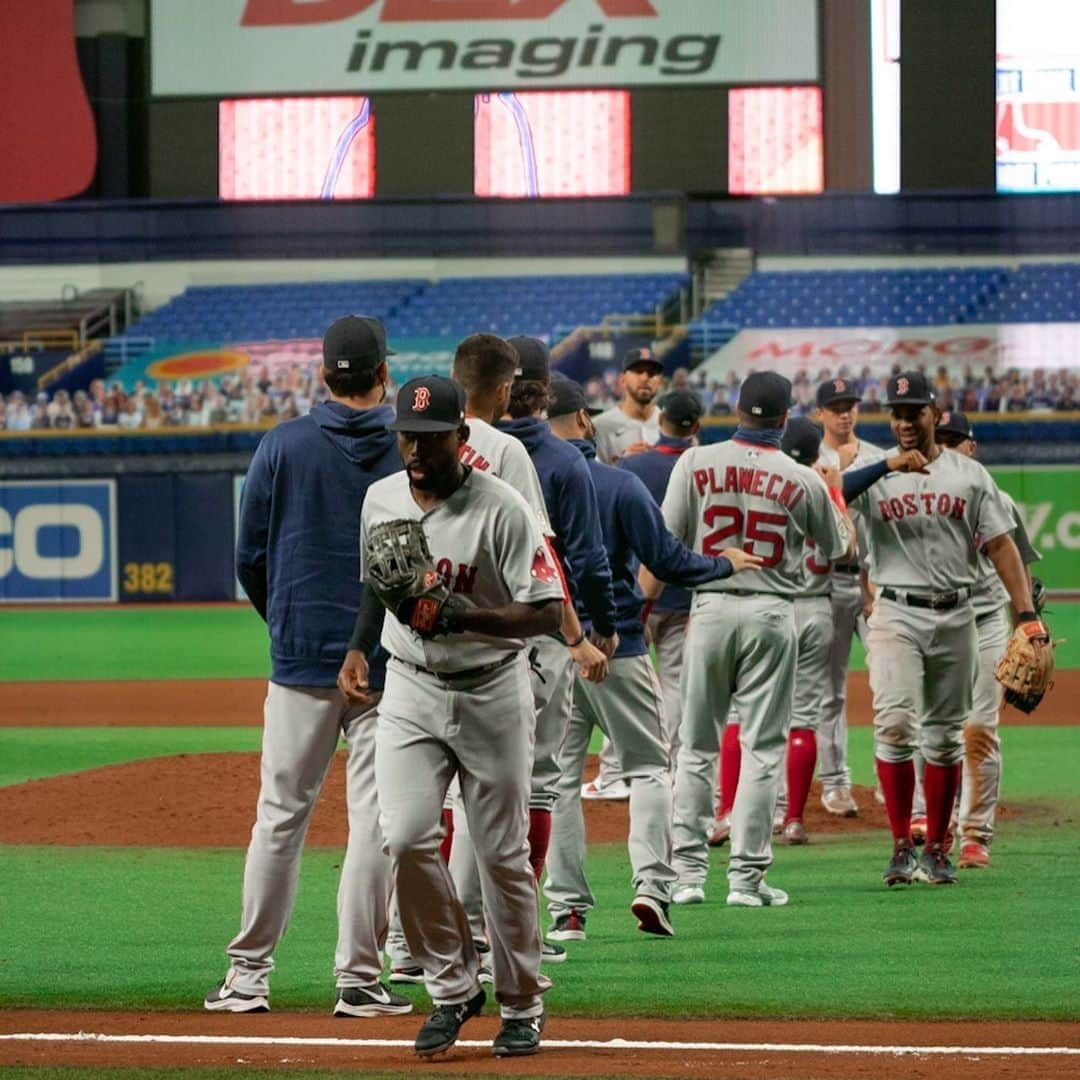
(542, 569)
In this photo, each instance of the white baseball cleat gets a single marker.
(688, 894)
(719, 831)
(617, 790)
(765, 896)
(839, 801)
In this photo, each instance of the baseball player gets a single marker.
(741, 650)
(837, 412)
(634, 424)
(981, 775)
(571, 503)
(627, 706)
(925, 532)
(459, 704)
(297, 558)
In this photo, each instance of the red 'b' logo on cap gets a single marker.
(421, 399)
(839, 386)
(902, 385)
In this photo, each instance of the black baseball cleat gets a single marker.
(934, 867)
(442, 1027)
(224, 998)
(902, 868)
(652, 916)
(518, 1038)
(369, 1001)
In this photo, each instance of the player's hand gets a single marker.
(635, 448)
(592, 663)
(352, 679)
(742, 560)
(847, 455)
(607, 645)
(830, 474)
(907, 462)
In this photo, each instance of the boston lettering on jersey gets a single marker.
(926, 502)
(465, 579)
(746, 481)
(469, 456)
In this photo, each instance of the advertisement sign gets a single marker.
(1048, 498)
(57, 541)
(1000, 345)
(207, 48)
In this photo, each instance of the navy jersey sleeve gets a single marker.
(254, 528)
(578, 529)
(667, 558)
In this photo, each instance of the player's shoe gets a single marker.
(369, 1001)
(795, 834)
(517, 1038)
(441, 1029)
(404, 976)
(901, 870)
(483, 954)
(763, 896)
(616, 790)
(934, 868)
(778, 818)
(918, 830)
(551, 954)
(719, 831)
(688, 894)
(840, 801)
(223, 998)
(568, 927)
(973, 856)
(879, 796)
(652, 916)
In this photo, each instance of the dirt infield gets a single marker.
(725, 1049)
(229, 702)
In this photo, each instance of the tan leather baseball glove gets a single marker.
(1027, 668)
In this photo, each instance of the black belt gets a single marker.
(937, 602)
(467, 673)
(847, 568)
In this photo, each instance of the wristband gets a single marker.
(1027, 616)
(837, 496)
(575, 644)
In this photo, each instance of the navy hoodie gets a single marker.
(654, 467)
(298, 549)
(634, 533)
(571, 506)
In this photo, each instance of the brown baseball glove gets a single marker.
(1027, 668)
(399, 568)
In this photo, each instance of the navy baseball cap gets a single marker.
(682, 408)
(834, 391)
(955, 423)
(355, 343)
(533, 362)
(565, 397)
(638, 357)
(801, 440)
(765, 394)
(909, 388)
(429, 403)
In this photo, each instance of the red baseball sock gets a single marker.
(897, 779)
(801, 759)
(539, 838)
(448, 835)
(730, 761)
(940, 783)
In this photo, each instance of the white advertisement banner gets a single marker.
(1024, 346)
(222, 48)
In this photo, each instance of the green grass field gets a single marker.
(146, 928)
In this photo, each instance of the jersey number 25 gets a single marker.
(756, 529)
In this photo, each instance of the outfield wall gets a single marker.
(170, 535)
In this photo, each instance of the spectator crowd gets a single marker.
(259, 396)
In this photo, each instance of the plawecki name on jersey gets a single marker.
(756, 498)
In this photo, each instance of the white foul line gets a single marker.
(556, 1044)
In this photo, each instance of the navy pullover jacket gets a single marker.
(654, 468)
(634, 532)
(298, 549)
(571, 506)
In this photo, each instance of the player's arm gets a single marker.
(856, 481)
(514, 620)
(254, 528)
(353, 677)
(831, 476)
(592, 662)
(995, 521)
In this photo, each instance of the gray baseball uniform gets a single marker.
(615, 431)
(741, 649)
(463, 705)
(924, 531)
(847, 605)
